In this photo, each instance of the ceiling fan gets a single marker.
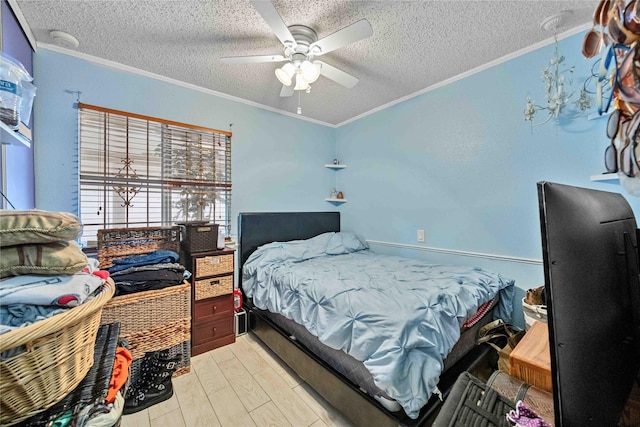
(301, 47)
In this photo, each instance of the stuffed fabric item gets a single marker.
(524, 416)
(67, 290)
(45, 258)
(36, 226)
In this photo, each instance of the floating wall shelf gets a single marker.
(605, 177)
(9, 136)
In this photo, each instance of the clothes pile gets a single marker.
(155, 270)
(43, 272)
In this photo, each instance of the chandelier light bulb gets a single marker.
(286, 73)
(301, 83)
(310, 71)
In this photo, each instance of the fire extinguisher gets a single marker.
(237, 299)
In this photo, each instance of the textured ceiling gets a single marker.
(415, 44)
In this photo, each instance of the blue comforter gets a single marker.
(399, 316)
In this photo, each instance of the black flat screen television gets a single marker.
(591, 267)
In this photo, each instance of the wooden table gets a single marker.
(530, 361)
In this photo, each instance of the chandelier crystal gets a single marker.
(562, 100)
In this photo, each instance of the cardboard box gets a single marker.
(530, 361)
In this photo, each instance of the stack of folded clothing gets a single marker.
(43, 271)
(155, 270)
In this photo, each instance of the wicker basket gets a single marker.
(123, 242)
(214, 265)
(154, 320)
(158, 338)
(199, 236)
(149, 320)
(142, 311)
(58, 353)
(213, 287)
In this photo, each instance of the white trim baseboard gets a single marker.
(456, 252)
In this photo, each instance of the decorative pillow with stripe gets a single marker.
(37, 226)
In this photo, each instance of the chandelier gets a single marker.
(562, 100)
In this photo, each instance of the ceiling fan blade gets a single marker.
(286, 91)
(338, 76)
(351, 34)
(252, 59)
(271, 16)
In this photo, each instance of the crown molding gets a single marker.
(13, 5)
(466, 74)
(121, 67)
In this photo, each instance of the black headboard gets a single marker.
(258, 228)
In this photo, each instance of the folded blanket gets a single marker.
(68, 290)
(155, 257)
(18, 315)
(150, 267)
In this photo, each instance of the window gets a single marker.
(138, 171)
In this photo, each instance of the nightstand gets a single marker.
(530, 361)
(212, 316)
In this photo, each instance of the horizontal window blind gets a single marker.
(139, 171)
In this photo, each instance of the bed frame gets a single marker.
(256, 229)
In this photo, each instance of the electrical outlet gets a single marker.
(420, 236)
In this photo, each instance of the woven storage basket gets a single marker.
(58, 353)
(158, 338)
(146, 310)
(149, 320)
(213, 265)
(199, 236)
(213, 287)
(123, 242)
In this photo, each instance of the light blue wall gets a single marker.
(461, 163)
(277, 161)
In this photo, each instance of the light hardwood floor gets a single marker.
(242, 384)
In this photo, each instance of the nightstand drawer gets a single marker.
(209, 331)
(213, 265)
(208, 310)
(213, 287)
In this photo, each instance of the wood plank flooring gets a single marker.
(242, 384)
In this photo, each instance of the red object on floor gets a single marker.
(120, 373)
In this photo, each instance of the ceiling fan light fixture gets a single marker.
(301, 83)
(310, 71)
(286, 73)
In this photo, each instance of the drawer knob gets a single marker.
(214, 282)
(214, 330)
(213, 309)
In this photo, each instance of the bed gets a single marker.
(395, 373)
